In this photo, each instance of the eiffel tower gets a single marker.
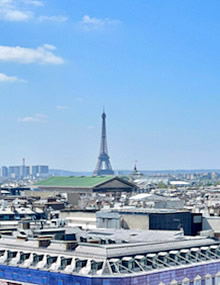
(103, 166)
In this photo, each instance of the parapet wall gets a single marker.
(162, 277)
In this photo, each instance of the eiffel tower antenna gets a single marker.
(103, 166)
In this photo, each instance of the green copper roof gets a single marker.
(74, 181)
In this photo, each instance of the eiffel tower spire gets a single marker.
(103, 166)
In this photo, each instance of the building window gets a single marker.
(197, 282)
(217, 280)
(197, 219)
(44, 280)
(208, 281)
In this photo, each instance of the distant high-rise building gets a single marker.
(40, 170)
(103, 166)
(24, 171)
(20, 171)
(14, 171)
(34, 170)
(4, 172)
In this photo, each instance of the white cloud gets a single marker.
(11, 10)
(27, 119)
(58, 19)
(6, 78)
(61, 107)
(91, 23)
(37, 118)
(24, 10)
(50, 47)
(15, 15)
(34, 3)
(42, 55)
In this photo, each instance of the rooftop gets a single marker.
(75, 181)
(141, 248)
(109, 260)
(145, 210)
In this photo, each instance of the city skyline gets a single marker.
(154, 65)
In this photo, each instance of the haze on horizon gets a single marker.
(153, 64)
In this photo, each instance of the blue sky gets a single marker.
(154, 64)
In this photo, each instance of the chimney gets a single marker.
(44, 241)
(71, 245)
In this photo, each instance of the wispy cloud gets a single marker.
(91, 23)
(61, 107)
(42, 55)
(33, 2)
(10, 79)
(37, 118)
(24, 10)
(14, 11)
(58, 19)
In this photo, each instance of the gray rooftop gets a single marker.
(131, 249)
(107, 257)
(156, 242)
